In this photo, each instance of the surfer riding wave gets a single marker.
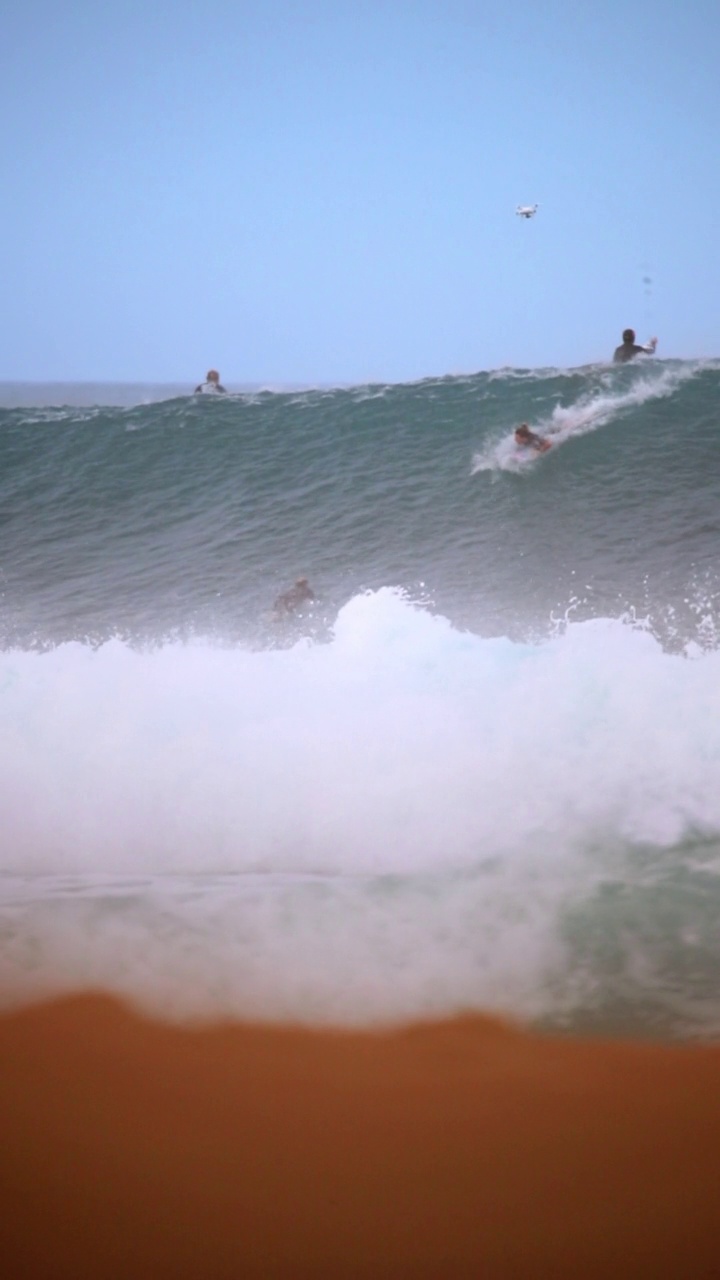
(528, 439)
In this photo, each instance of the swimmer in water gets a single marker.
(211, 385)
(527, 439)
(629, 348)
(290, 600)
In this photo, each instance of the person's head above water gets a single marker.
(528, 439)
(628, 335)
(213, 375)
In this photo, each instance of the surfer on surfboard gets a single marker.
(528, 439)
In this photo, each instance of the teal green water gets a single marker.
(479, 769)
(191, 514)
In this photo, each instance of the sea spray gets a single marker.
(406, 820)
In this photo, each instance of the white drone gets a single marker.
(526, 210)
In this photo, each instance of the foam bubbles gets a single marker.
(390, 824)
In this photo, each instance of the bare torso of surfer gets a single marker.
(528, 439)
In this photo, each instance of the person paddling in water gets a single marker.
(527, 439)
(211, 385)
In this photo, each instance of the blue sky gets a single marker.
(317, 192)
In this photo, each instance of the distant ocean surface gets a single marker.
(479, 771)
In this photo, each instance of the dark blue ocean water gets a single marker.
(479, 769)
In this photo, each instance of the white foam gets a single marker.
(402, 743)
(387, 824)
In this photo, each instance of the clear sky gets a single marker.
(321, 190)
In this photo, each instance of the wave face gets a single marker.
(479, 770)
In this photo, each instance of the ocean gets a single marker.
(478, 770)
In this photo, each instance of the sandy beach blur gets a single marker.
(470, 1148)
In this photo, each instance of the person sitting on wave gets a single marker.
(289, 600)
(629, 348)
(527, 439)
(211, 385)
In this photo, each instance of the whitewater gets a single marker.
(480, 770)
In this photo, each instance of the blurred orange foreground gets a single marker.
(467, 1148)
